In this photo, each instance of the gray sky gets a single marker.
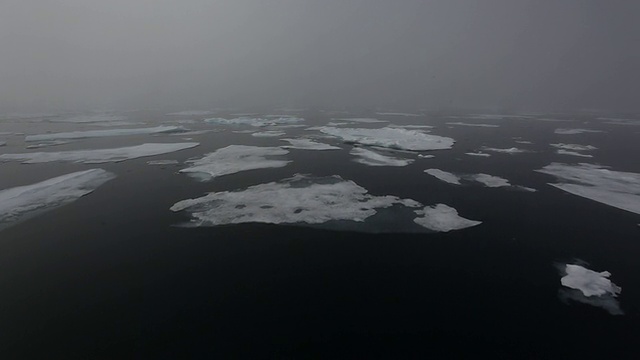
(512, 54)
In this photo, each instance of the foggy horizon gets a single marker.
(500, 55)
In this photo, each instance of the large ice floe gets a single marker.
(614, 188)
(233, 159)
(397, 114)
(258, 122)
(443, 218)
(20, 203)
(590, 287)
(373, 158)
(99, 155)
(388, 137)
(307, 144)
(105, 133)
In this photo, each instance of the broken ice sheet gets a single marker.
(105, 133)
(233, 159)
(98, 155)
(372, 158)
(394, 138)
(23, 202)
(443, 218)
(590, 287)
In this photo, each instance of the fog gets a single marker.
(493, 54)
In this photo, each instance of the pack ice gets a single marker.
(20, 203)
(614, 188)
(99, 155)
(105, 133)
(233, 159)
(395, 138)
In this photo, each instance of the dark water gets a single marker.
(109, 276)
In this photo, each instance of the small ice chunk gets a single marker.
(490, 180)
(523, 142)
(233, 159)
(163, 162)
(23, 202)
(394, 138)
(442, 218)
(589, 282)
(426, 156)
(99, 155)
(307, 144)
(512, 150)
(268, 133)
(574, 147)
(573, 153)
(104, 133)
(478, 153)
(474, 124)
(575, 131)
(444, 176)
(372, 158)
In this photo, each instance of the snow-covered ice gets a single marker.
(473, 124)
(98, 155)
(479, 153)
(307, 144)
(372, 158)
(105, 133)
(233, 159)
(444, 176)
(443, 218)
(590, 287)
(268, 133)
(20, 203)
(390, 137)
(490, 180)
(300, 199)
(512, 150)
(614, 188)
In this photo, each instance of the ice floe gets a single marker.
(524, 142)
(93, 118)
(512, 150)
(575, 131)
(20, 203)
(362, 120)
(479, 153)
(372, 158)
(490, 180)
(444, 176)
(105, 133)
(233, 159)
(411, 126)
(397, 114)
(258, 122)
(307, 144)
(572, 153)
(191, 113)
(163, 162)
(268, 133)
(98, 155)
(443, 218)
(614, 188)
(475, 125)
(590, 287)
(390, 137)
(297, 200)
(574, 147)
(47, 144)
(426, 156)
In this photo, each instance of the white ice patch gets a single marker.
(475, 125)
(512, 150)
(411, 126)
(362, 120)
(523, 142)
(479, 153)
(572, 153)
(296, 200)
(427, 156)
(574, 147)
(268, 133)
(47, 144)
(613, 188)
(575, 131)
(307, 144)
(372, 158)
(390, 137)
(105, 133)
(163, 162)
(94, 118)
(338, 123)
(20, 203)
(191, 113)
(443, 218)
(258, 122)
(590, 287)
(490, 180)
(99, 155)
(444, 176)
(233, 159)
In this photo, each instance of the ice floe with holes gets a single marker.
(590, 287)
(191, 113)
(614, 188)
(443, 218)
(258, 122)
(93, 118)
(473, 124)
(572, 153)
(512, 150)
(97, 156)
(105, 133)
(23, 202)
(307, 144)
(575, 131)
(390, 138)
(268, 133)
(373, 158)
(233, 159)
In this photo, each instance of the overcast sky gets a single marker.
(511, 54)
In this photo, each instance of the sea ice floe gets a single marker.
(523, 142)
(614, 188)
(397, 114)
(479, 153)
(411, 126)
(98, 155)
(512, 150)
(474, 124)
(590, 287)
(390, 137)
(105, 133)
(191, 113)
(362, 120)
(297, 200)
(619, 121)
(307, 144)
(574, 147)
(338, 123)
(20, 203)
(47, 144)
(372, 158)
(258, 122)
(444, 176)
(575, 131)
(490, 180)
(268, 133)
(233, 159)
(572, 153)
(443, 218)
(163, 162)
(426, 156)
